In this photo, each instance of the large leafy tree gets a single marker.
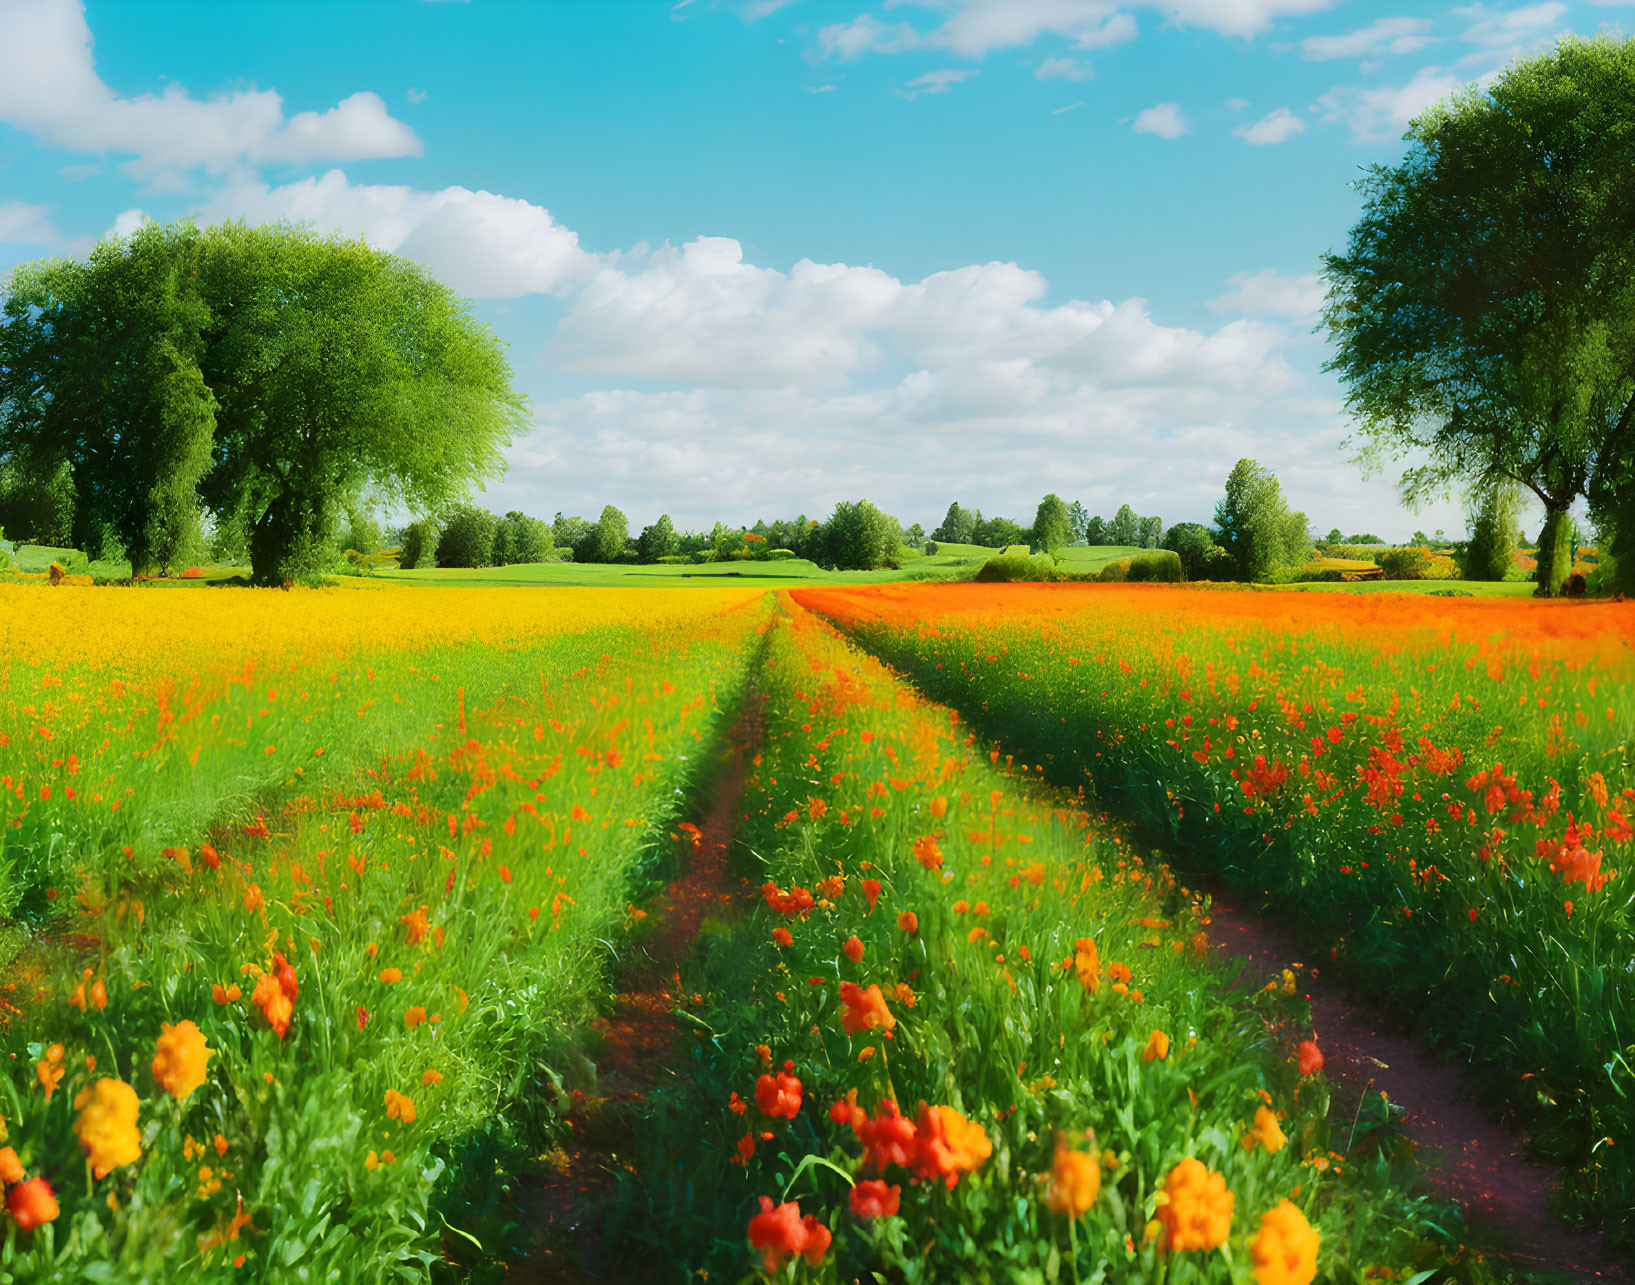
(1262, 538)
(1052, 526)
(1484, 310)
(860, 537)
(265, 373)
(957, 525)
(658, 540)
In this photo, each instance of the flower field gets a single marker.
(318, 880)
(1443, 795)
(968, 1032)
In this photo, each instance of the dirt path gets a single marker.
(1463, 1151)
(639, 1041)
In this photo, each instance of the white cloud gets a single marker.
(1275, 127)
(1057, 68)
(1383, 35)
(1058, 111)
(973, 27)
(936, 82)
(49, 88)
(863, 34)
(1492, 28)
(1164, 119)
(1269, 295)
(414, 95)
(758, 9)
(26, 224)
(1243, 18)
(1236, 104)
(480, 244)
(1377, 115)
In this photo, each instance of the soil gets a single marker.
(1465, 1152)
(639, 1039)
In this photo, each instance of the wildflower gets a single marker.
(274, 1003)
(413, 1016)
(32, 1203)
(779, 1096)
(1157, 1049)
(431, 1076)
(889, 1138)
(852, 948)
(746, 1149)
(1310, 1057)
(844, 1111)
(179, 1062)
(864, 1009)
(871, 892)
(391, 976)
(927, 853)
(1197, 1213)
(908, 922)
(253, 900)
(783, 937)
(781, 1233)
(797, 901)
(106, 1127)
(1284, 1250)
(1266, 1132)
(399, 1106)
(415, 925)
(1075, 1181)
(11, 1168)
(949, 1144)
(225, 994)
(872, 1198)
(1087, 963)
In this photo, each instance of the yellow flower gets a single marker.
(1284, 1250)
(107, 1125)
(1157, 1047)
(179, 1063)
(1075, 1181)
(1266, 1131)
(1197, 1211)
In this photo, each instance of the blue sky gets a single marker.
(755, 256)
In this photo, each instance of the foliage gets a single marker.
(1115, 572)
(1125, 528)
(1052, 527)
(997, 533)
(860, 537)
(467, 538)
(521, 540)
(419, 547)
(1263, 540)
(1011, 566)
(265, 373)
(1495, 533)
(1095, 531)
(1484, 310)
(604, 542)
(958, 526)
(1195, 545)
(1152, 533)
(1155, 565)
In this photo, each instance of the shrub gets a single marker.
(1008, 568)
(419, 541)
(520, 539)
(782, 555)
(468, 538)
(930, 548)
(1161, 565)
(1115, 572)
(674, 559)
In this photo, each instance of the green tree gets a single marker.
(1495, 531)
(604, 542)
(914, 537)
(569, 532)
(658, 541)
(520, 539)
(957, 526)
(1484, 310)
(1078, 518)
(1095, 531)
(861, 537)
(997, 533)
(1334, 537)
(1125, 528)
(1263, 540)
(1195, 545)
(1052, 527)
(361, 532)
(1152, 533)
(419, 545)
(468, 538)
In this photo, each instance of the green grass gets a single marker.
(1475, 588)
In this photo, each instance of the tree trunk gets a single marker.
(1555, 553)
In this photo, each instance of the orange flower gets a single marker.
(430, 1077)
(1075, 1181)
(864, 1009)
(399, 1106)
(872, 1198)
(415, 925)
(888, 1139)
(180, 1060)
(908, 922)
(1157, 1049)
(949, 1144)
(780, 1096)
(783, 937)
(781, 1233)
(1197, 1209)
(274, 1004)
(1310, 1057)
(413, 1016)
(852, 948)
(1266, 1132)
(106, 1127)
(225, 994)
(1284, 1250)
(391, 976)
(939, 806)
(1087, 963)
(253, 900)
(871, 892)
(927, 853)
(746, 1149)
(32, 1203)
(11, 1168)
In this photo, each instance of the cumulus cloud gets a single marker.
(1058, 68)
(863, 34)
(1268, 294)
(1167, 120)
(1382, 113)
(25, 224)
(49, 88)
(480, 244)
(1382, 36)
(1275, 127)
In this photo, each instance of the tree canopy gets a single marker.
(264, 375)
(1052, 526)
(1484, 310)
(1262, 539)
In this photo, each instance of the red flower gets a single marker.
(888, 1139)
(780, 1233)
(872, 1198)
(871, 891)
(1310, 1056)
(864, 1009)
(32, 1203)
(852, 948)
(779, 1096)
